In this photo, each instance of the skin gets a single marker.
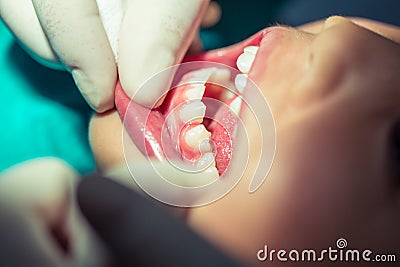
(333, 90)
(333, 172)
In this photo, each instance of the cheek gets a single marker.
(324, 180)
(286, 66)
(284, 60)
(334, 177)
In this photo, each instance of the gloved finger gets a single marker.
(155, 35)
(76, 34)
(29, 210)
(40, 224)
(23, 242)
(41, 184)
(21, 19)
(138, 232)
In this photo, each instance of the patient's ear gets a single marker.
(105, 136)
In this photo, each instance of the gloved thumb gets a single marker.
(155, 35)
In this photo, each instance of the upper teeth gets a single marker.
(251, 49)
(193, 112)
(244, 64)
(246, 59)
(195, 92)
(219, 76)
(198, 76)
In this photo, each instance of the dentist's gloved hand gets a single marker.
(40, 224)
(86, 37)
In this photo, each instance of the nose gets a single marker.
(281, 64)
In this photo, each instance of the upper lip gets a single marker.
(228, 55)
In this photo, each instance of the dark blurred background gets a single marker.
(241, 18)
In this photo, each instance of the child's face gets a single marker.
(335, 97)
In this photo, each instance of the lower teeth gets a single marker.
(206, 161)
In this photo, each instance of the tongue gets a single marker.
(145, 127)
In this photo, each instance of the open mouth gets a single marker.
(196, 124)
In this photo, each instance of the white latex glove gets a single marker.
(82, 36)
(40, 223)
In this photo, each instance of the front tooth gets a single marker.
(220, 76)
(235, 105)
(244, 62)
(195, 92)
(241, 82)
(206, 161)
(195, 136)
(201, 75)
(193, 112)
(246, 59)
(251, 49)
